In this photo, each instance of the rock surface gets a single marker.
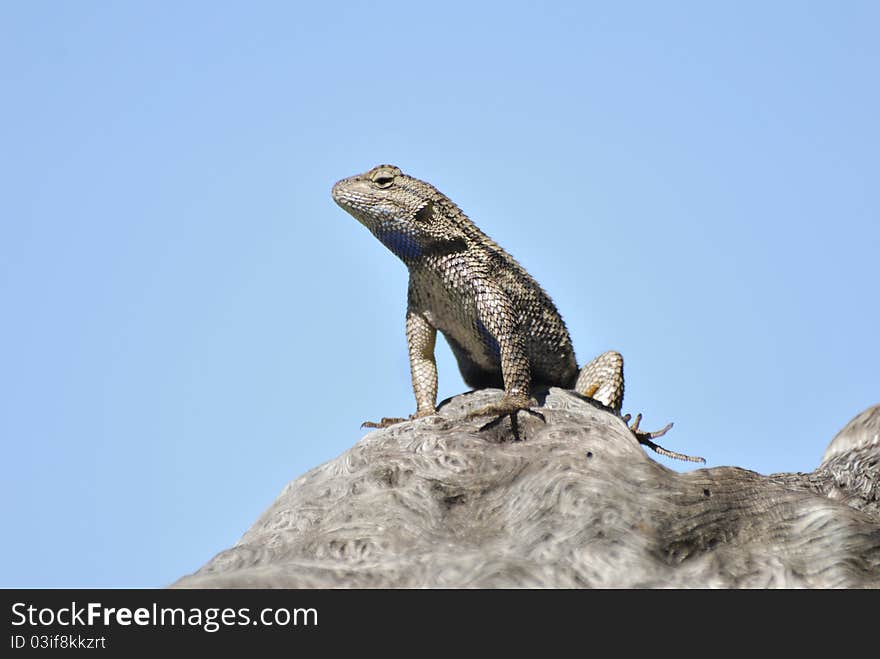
(579, 503)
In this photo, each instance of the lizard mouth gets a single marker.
(338, 192)
(351, 193)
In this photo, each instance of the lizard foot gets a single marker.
(385, 422)
(645, 438)
(508, 406)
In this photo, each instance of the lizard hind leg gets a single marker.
(602, 380)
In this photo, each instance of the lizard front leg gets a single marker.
(420, 338)
(498, 325)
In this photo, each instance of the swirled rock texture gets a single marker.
(577, 503)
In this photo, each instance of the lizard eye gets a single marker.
(383, 177)
(383, 180)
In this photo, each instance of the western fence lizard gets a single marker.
(504, 330)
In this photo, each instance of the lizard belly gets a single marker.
(451, 309)
(475, 349)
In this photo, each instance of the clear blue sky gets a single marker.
(189, 322)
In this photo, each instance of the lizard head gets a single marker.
(401, 211)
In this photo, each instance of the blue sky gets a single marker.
(189, 322)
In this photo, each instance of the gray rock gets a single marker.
(578, 503)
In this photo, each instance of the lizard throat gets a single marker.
(403, 243)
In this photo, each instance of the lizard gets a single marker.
(503, 328)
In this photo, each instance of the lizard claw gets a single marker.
(390, 421)
(508, 406)
(384, 422)
(498, 419)
(645, 438)
(638, 432)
